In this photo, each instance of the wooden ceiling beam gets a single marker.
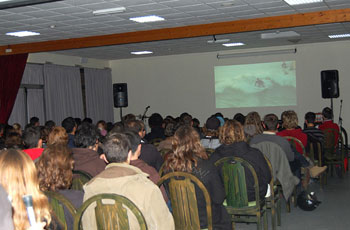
(256, 24)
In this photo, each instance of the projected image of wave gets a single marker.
(255, 85)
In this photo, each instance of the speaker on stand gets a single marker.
(330, 84)
(120, 96)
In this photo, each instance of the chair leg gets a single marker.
(288, 205)
(258, 224)
(265, 220)
(279, 212)
(273, 214)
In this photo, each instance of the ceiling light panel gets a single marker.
(144, 19)
(7, 4)
(141, 52)
(22, 33)
(233, 44)
(300, 2)
(339, 36)
(109, 11)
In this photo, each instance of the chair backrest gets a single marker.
(57, 202)
(315, 148)
(331, 143)
(296, 142)
(184, 202)
(235, 183)
(110, 216)
(79, 179)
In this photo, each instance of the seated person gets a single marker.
(314, 135)
(233, 143)
(85, 154)
(189, 156)
(328, 123)
(58, 135)
(211, 133)
(32, 142)
(70, 126)
(155, 123)
(121, 178)
(55, 174)
(252, 125)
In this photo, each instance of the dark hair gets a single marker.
(134, 125)
(155, 120)
(186, 150)
(327, 113)
(109, 126)
(33, 120)
(68, 124)
(31, 137)
(117, 128)
(185, 119)
(129, 117)
(116, 148)
(240, 118)
(134, 139)
(55, 168)
(85, 136)
(77, 121)
(310, 117)
(101, 122)
(271, 121)
(50, 124)
(195, 122)
(87, 120)
(14, 140)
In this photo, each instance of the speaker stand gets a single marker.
(121, 114)
(332, 105)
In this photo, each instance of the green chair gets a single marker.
(184, 202)
(334, 152)
(79, 179)
(273, 202)
(238, 207)
(57, 204)
(110, 216)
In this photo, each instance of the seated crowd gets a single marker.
(123, 159)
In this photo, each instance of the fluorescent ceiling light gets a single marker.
(300, 2)
(109, 11)
(218, 41)
(258, 53)
(7, 4)
(339, 36)
(22, 33)
(233, 44)
(150, 18)
(278, 34)
(141, 52)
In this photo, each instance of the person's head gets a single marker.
(101, 125)
(186, 119)
(87, 120)
(44, 133)
(18, 176)
(86, 136)
(231, 132)
(135, 126)
(129, 117)
(69, 125)
(252, 124)
(55, 167)
(135, 143)
(14, 140)
(31, 138)
(77, 121)
(195, 123)
(118, 127)
(34, 121)
(327, 113)
(50, 124)
(58, 135)
(187, 149)
(17, 128)
(117, 148)
(155, 120)
(310, 118)
(290, 119)
(271, 122)
(240, 118)
(109, 126)
(170, 129)
(211, 127)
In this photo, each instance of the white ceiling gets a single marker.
(74, 19)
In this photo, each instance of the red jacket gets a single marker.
(297, 133)
(329, 124)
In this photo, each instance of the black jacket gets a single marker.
(254, 157)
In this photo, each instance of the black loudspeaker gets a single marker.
(120, 95)
(330, 83)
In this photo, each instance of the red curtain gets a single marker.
(11, 72)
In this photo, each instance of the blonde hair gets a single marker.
(58, 135)
(231, 132)
(290, 119)
(18, 176)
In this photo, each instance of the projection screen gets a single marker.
(255, 85)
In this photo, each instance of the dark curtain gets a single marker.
(11, 72)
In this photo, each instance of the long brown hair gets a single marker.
(55, 168)
(231, 132)
(186, 148)
(58, 135)
(254, 119)
(18, 176)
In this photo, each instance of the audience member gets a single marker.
(87, 120)
(240, 118)
(58, 135)
(189, 156)
(121, 178)
(34, 121)
(233, 143)
(32, 142)
(77, 121)
(50, 124)
(211, 133)
(14, 140)
(314, 135)
(85, 154)
(70, 126)
(17, 128)
(55, 174)
(328, 123)
(252, 125)
(101, 127)
(129, 117)
(18, 176)
(155, 123)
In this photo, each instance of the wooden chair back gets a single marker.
(111, 216)
(296, 142)
(184, 202)
(57, 203)
(79, 179)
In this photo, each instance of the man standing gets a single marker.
(121, 178)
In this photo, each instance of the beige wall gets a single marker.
(59, 59)
(178, 83)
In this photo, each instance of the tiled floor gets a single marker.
(333, 212)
